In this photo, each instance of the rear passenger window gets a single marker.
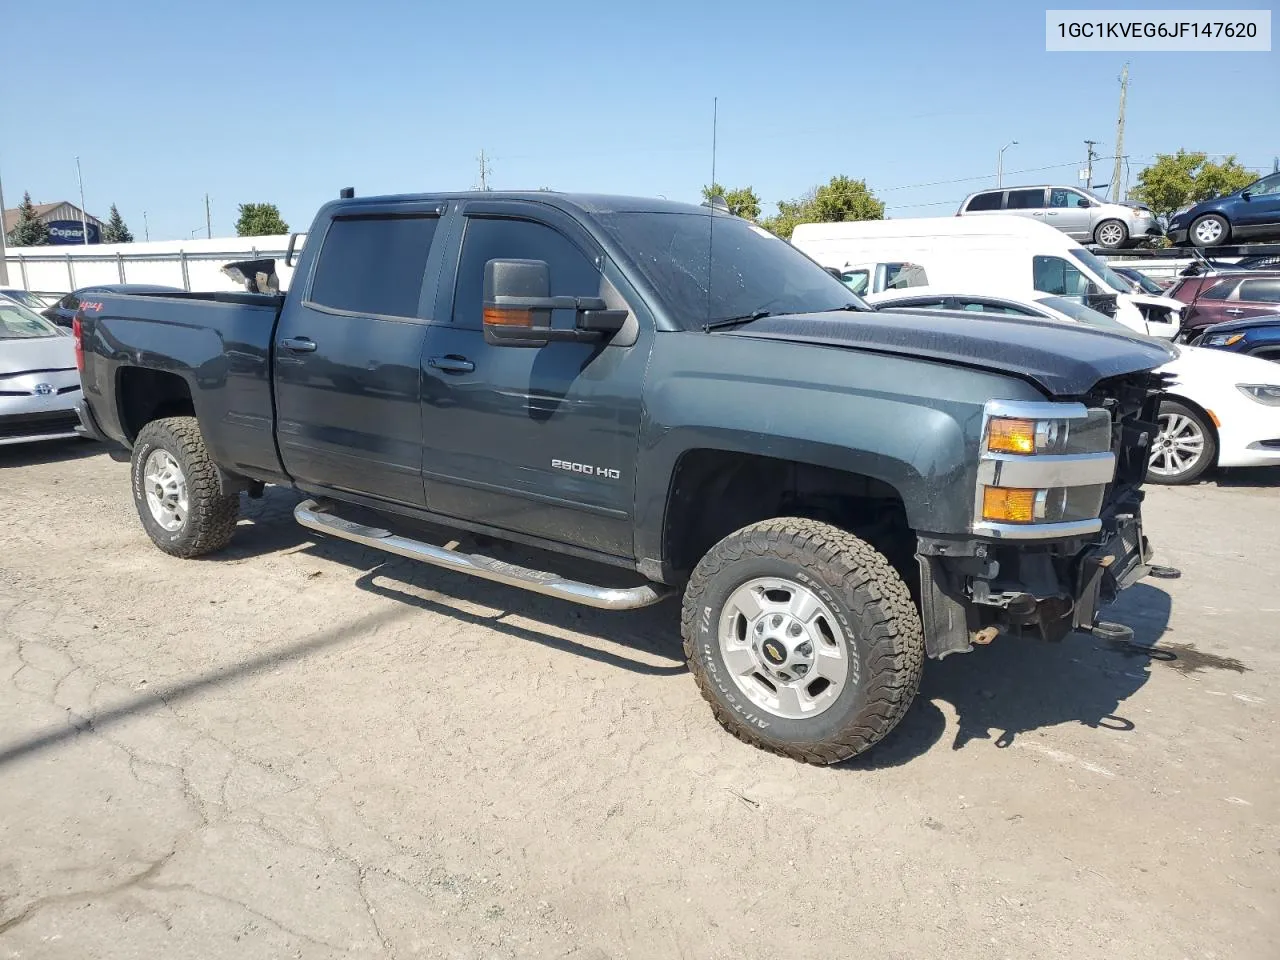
(985, 201)
(1058, 277)
(1025, 199)
(1260, 291)
(572, 274)
(1219, 291)
(373, 265)
(898, 276)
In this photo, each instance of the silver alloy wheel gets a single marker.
(783, 647)
(1111, 235)
(1209, 231)
(1178, 447)
(166, 490)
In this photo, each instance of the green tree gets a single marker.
(260, 220)
(841, 198)
(115, 231)
(1178, 179)
(742, 201)
(28, 231)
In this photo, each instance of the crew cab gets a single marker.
(673, 394)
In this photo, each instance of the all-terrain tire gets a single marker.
(880, 625)
(210, 519)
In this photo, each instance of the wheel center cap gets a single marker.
(774, 652)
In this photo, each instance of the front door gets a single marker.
(1067, 215)
(347, 375)
(542, 440)
(1260, 214)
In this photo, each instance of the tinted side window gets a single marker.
(373, 265)
(1025, 199)
(572, 274)
(986, 201)
(900, 275)
(70, 302)
(981, 306)
(1260, 291)
(1219, 291)
(1058, 277)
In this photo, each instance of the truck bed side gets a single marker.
(207, 355)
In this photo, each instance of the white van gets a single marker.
(972, 253)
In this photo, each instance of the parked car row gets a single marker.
(1249, 214)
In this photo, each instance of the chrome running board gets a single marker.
(314, 516)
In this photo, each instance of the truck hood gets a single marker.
(1061, 359)
(36, 353)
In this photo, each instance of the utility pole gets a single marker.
(146, 229)
(208, 221)
(1088, 164)
(84, 223)
(484, 171)
(1115, 173)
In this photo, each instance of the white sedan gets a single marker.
(1222, 409)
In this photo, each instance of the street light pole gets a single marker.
(4, 263)
(84, 223)
(1000, 162)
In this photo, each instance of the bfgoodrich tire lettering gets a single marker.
(879, 624)
(210, 518)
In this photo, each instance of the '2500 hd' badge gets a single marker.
(585, 468)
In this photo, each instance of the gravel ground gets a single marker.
(301, 748)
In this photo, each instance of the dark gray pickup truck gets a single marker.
(666, 389)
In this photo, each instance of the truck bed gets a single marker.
(209, 352)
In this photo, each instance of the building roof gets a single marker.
(42, 210)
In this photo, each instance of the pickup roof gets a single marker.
(662, 388)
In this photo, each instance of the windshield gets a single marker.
(1145, 282)
(734, 270)
(25, 298)
(19, 323)
(1100, 268)
(1079, 312)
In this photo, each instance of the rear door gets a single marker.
(540, 441)
(1260, 214)
(348, 345)
(1259, 297)
(1027, 202)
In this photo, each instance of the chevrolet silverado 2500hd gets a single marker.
(664, 388)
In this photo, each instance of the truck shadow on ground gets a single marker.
(1015, 686)
(48, 451)
(995, 693)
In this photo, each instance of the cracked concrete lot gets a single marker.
(302, 748)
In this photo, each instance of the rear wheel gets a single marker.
(1111, 234)
(1185, 446)
(803, 638)
(1210, 230)
(176, 489)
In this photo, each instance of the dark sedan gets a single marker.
(1252, 213)
(1258, 337)
(65, 309)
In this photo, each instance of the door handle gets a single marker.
(451, 364)
(1233, 310)
(298, 345)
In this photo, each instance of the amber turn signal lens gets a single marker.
(506, 317)
(1005, 435)
(1008, 504)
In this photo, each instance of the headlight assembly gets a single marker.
(1262, 392)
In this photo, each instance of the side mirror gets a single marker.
(835, 273)
(1246, 195)
(518, 306)
(1082, 202)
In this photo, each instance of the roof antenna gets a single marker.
(711, 228)
(346, 193)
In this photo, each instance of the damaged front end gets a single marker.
(1057, 529)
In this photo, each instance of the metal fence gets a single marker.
(53, 274)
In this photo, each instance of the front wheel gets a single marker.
(803, 638)
(176, 489)
(1111, 234)
(1184, 448)
(1210, 230)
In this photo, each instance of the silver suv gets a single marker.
(1077, 213)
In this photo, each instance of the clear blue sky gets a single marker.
(287, 102)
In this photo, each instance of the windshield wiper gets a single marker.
(734, 321)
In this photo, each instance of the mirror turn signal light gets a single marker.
(507, 317)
